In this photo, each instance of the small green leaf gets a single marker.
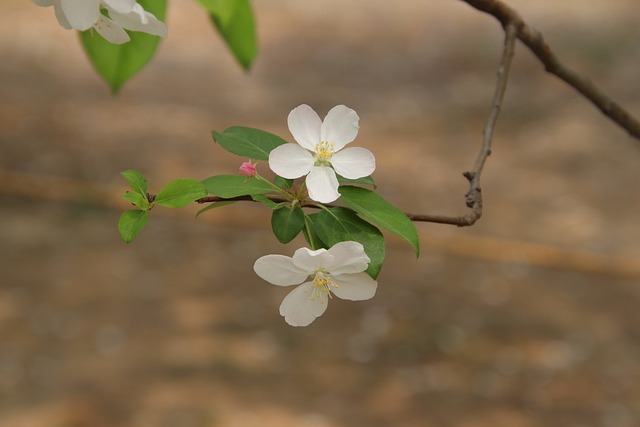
(137, 199)
(131, 223)
(228, 186)
(378, 211)
(368, 180)
(340, 224)
(235, 22)
(214, 206)
(248, 142)
(283, 182)
(287, 223)
(118, 63)
(180, 192)
(264, 200)
(136, 180)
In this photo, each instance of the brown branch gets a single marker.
(534, 40)
(515, 28)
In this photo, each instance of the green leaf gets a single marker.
(180, 192)
(235, 22)
(136, 180)
(228, 186)
(368, 180)
(283, 182)
(340, 224)
(310, 233)
(378, 211)
(265, 201)
(248, 142)
(118, 63)
(137, 199)
(131, 223)
(214, 206)
(287, 223)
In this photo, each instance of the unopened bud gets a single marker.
(247, 169)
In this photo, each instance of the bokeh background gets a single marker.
(529, 318)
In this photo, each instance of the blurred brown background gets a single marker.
(529, 318)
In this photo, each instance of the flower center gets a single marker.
(324, 151)
(322, 285)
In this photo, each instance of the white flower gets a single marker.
(338, 271)
(123, 15)
(321, 153)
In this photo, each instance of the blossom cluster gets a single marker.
(118, 16)
(319, 155)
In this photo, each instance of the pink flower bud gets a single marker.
(247, 169)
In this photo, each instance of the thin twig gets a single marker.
(474, 195)
(534, 40)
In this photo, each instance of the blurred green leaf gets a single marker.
(235, 22)
(340, 224)
(228, 186)
(248, 142)
(180, 192)
(372, 207)
(131, 223)
(118, 63)
(287, 223)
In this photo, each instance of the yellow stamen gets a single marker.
(322, 285)
(324, 151)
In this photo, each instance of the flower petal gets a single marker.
(304, 125)
(81, 14)
(62, 19)
(121, 6)
(354, 287)
(354, 162)
(301, 307)
(308, 260)
(140, 20)
(279, 270)
(347, 257)
(290, 161)
(340, 126)
(322, 184)
(111, 31)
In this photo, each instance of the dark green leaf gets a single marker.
(235, 22)
(340, 224)
(264, 200)
(118, 63)
(378, 211)
(228, 186)
(136, 180)
(287, 223)
(310, 233)
(137, 199)
(283, 182)
(214, 206)
(180, 192)
(248, 142)
(131, 223)
(368, 180)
